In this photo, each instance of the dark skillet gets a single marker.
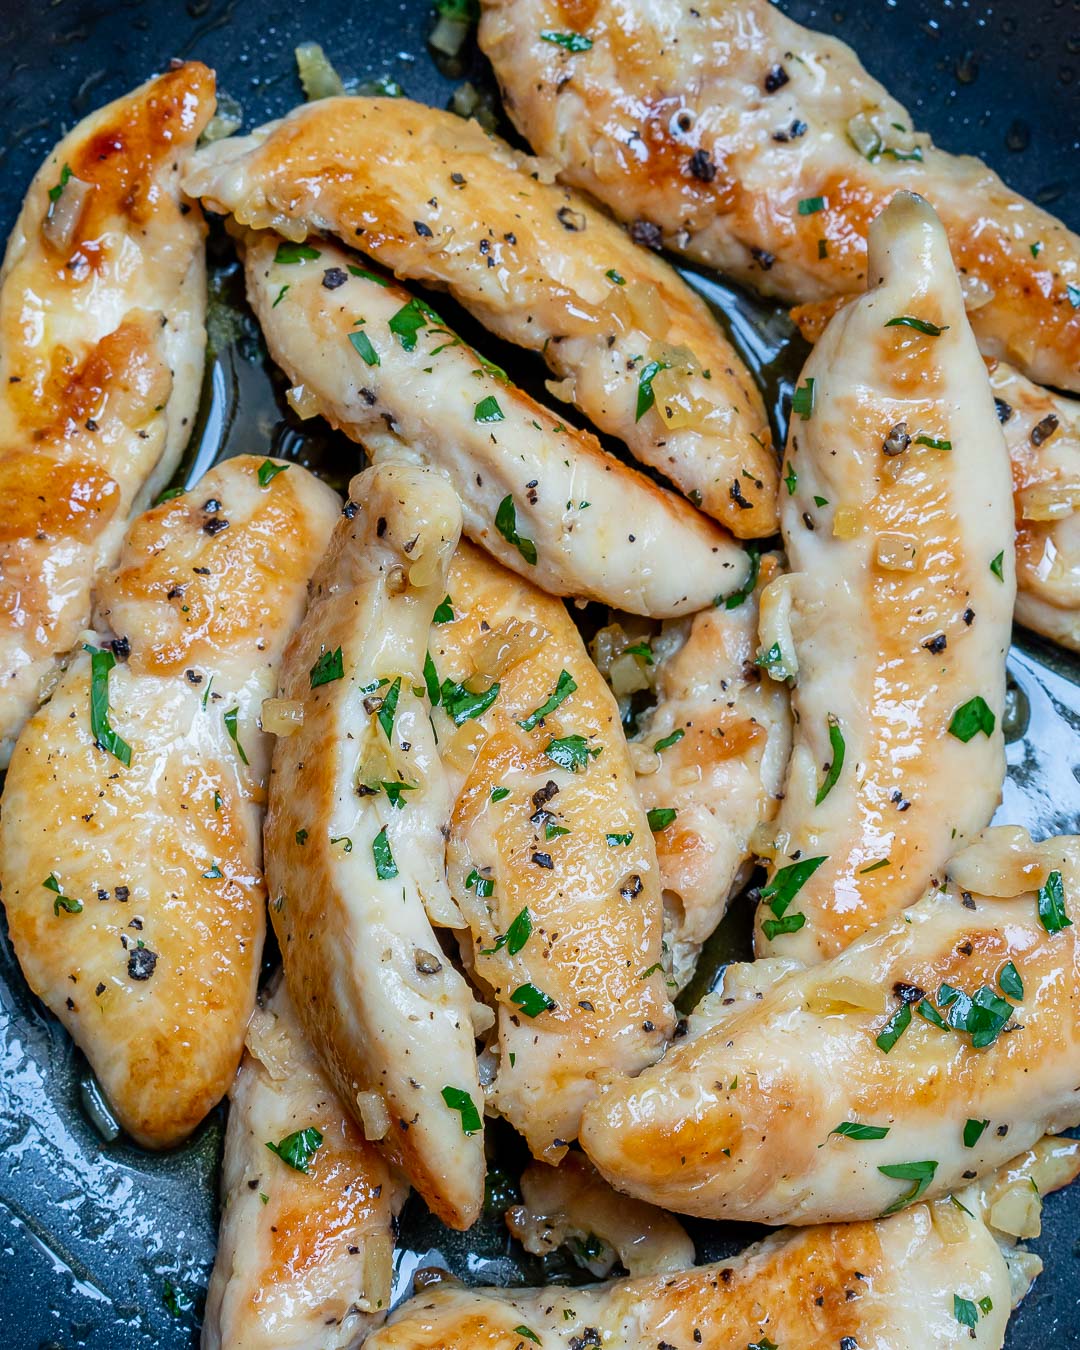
(105, 1247)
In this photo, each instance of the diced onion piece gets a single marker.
(615, 304)
(952, 1225)
(65, 213)
(1005, 862)
(644, 760)
(267, 1043)
(1017, 1211)
(647, 307)
(302, 400)
(628, 675)
(976, 291)
(847, 522)
(863, 135)
(282, 716)
(895, 552)
(677, 404)
(1049, 501)
(687, 775)
(376, 1272)
(502, 648)
(317, 75)
(448, 36)
(843, 994)
(424, 569)
(762, 841)
(228, 118)
(374, 1116)
(564, 390)
(468, 101)
(463, 747)
(774, 624)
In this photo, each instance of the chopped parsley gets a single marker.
(971, 718)
(529, 1335)
(920, 1174)
(1073, 292)
(791, 478)
(933, 442)
(973, 1132)
(484, 886)
(268, 471)
(280, 296)
(617, 840)
(515, 936)
(875, 867)
(1052, 913)
(645, 396)
(57, 190)
(344, 840)
(836, 741)
(444, 611)
(982, 1015)
(365, 350)
(660, 817)
(394, 793)
(531, 1001)
(298, 1149)
(288, 252)
(851, 1129)
(388, 708)
(67, 903)
(570, 42)
(965, 1311)
(810, 206)
(105, 738)
(506, 524)
(666, 742)
(894, 1028)
(736, 598)
(457, 1099)
(1010, 983)
(461, 704)
(177, 1300)
(488, 410)
(327, 668)
(431, 681)
(385, 866)
(369, 276)
(230, 726)
(802, 401)
(564, 687)
(615, 277)
(407, 323)
(997, 566)
(497, 794)
(923, 326)
(783, 888)
(570, 752)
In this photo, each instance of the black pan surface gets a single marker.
(105, 1247)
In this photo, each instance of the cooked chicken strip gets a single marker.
(130, 859)
(539, 495)
(724, 737)
(549, 854)
(359, 806)
(898, 527)
(749, 143)
(304, 1258)
(572, 1204)
(889, 1284)
(439, 201)
(936, 1047)
(102, 298)
(1042, 435)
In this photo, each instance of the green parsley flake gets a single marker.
(875, 867)
(497, 794)
(484, 886)
(616, 840)
(488, 410)
(570, 752)
(839, 749)
(369, 276)
(802, 401)
(1010, 983)
(851, 1129)
(645, 396)
(965, 1311)
(920, 1174)
(280, 296)
(971, 718)
(407, 323)
(57, 190)
(67, 903)
(385, 867)
(570, 42)
(736, 598)
(365, 350)
(388, 708)
(268, 471)
(444, 611)
(666, 742)
(230, 726)
(894, 1028)
(615, 277)
(506, 524)
(327, 668)
(791, 478)
(973, 1132)
(660, 817)
(810, 206)
(923, 326)
(1052, 913)
(288, 252)
(457, 1099)
(177, 1300)
(564, 687)
(529, 1335)
(531, 1001)
(515, 936)
(461, 704)
(997, 566)
(933, 443)
(105, 738)
(298, 1149)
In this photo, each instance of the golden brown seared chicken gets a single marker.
(355, 842)
(304, 1259)
(889, 1284)
(549, 854)
(931, 1051)
(573, 1205)
(130, 852)
(1042, 435)
(711, 761)
(733, 135)
(437, 200)
(102, 299)
(895, 623)
(539, 495)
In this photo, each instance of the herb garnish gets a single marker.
(268, 471)
(920, 1174)
(444, 611)
(288, 252)
(971, 718)
(230, 726)
(457, 1099)
(105, 738)
(571, 42)
(666, 742)
(997, 566)
(67, 903)
(836, 741)
(564, 687)
(461, 704)
(488, 410)
(645, 396)
(388, 708)
(531, 1001)
(385, 866)
(298, 1149)
(506, 524)
(933, 443)
(362, 343)
(802, 401)
(660, 817)
(923, 326)
(515, 936)
(327, 668)
(1052, 913)
(736, 598)
(851, 1129)
(781, 890)
(973, 1131)
(810, 206)
(570, 752)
